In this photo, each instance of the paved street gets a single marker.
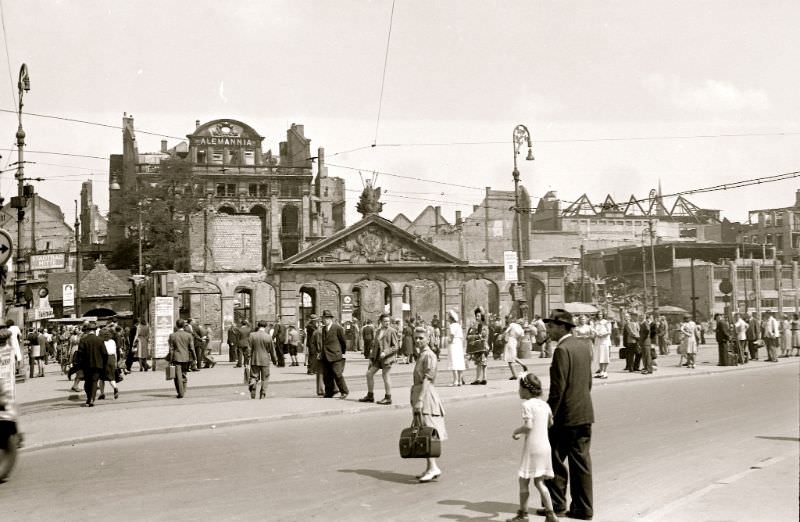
(722, 446)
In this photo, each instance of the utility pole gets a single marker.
(20, 202)
(644, 278)
(78, 262)
(653, 265)
(583, 285)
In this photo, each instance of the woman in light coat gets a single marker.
(455, 348)
(426, 406)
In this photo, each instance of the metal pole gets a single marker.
(521, 135)
(694, 297)
(583, 285)
(644, 278)
(139, 207)
(78, 262)
(23, 85)
(653, 263)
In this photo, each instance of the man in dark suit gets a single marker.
(645, 344)
(311, 351)
(233, 341)
(723, 335)
(92, 358)
(181, 354)
(753, 335)
(332, 350)
(279, 340)
(262, 352)
(570, 436)
(630, 339)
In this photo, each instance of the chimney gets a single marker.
(797, 198)
(458, 217)
(163, 146)
(323, 169)
(438, 212)
(196, 123)
(475, 208)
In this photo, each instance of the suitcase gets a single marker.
(170, 372)
(420, 442)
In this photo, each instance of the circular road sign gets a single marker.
(6, 246)
(725, 286)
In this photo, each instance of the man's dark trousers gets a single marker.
(181, 379)
(90, 378)
(332, 373)
(633, 357)
(573, 443)
(722, 353)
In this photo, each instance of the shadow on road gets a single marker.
(786, 439)
(491, 509)
(387, 476)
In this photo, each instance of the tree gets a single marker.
(166, 199)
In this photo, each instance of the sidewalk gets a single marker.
(52, 416)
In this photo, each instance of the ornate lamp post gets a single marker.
(653, 195)
(20, 202)
(520, 137)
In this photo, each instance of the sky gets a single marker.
(592, 81)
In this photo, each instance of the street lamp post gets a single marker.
(78, 262)
(644, 276)
(24, 85)
(520, 137)
(653, 194)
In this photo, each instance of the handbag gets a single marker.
(118, 377)
(171, 372)
(419, 442)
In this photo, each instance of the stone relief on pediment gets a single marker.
(372, 245)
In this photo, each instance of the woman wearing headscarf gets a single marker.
(426, 406)
(478, 345)
(455, 347)
(688, 340)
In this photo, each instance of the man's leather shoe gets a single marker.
(344, 396)
(385, 401)
(559, 512)
(368, 398)
(577, 516)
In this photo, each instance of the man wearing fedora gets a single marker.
(570, 400)
(331, 355)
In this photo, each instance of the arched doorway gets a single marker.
(316, 297)
(479, 292)
(261, 212)
(226, 210)
(421, 299)
(537, 298)
(371, 298)
(201, 300)
(243, 305)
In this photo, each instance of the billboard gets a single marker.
(47, 261)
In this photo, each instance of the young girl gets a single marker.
(536, 461)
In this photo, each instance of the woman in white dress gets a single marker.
(513, 335)
(602, 345)
(688, 340)
(455, 347)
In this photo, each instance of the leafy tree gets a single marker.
(166, 199)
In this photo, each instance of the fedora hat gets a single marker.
(313, 317)
(327, 313)
(560, 316)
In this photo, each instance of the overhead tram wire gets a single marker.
(59, 154)
(96, 124)
(383, 78)
(8, 58)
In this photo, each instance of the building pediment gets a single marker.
(372, 241)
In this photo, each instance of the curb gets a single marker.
(344, 411)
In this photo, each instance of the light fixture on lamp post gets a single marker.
(520, 137)
(20, 202)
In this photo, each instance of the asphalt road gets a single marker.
(654, 444)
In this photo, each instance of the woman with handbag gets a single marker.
(426, 406)
(478, 345)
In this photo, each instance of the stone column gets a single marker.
(757, 285)
(227, 315)
(397, 305)
(794, 287)
(733, 276)
(778, 275)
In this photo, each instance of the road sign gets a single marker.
(47, 261)
(68, 294)
(725, 286)
(6, 246)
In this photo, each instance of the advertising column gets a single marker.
(162, 326)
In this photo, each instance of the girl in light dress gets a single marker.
(455, 348)
(602, 345)
(536, 463)
(785, 328)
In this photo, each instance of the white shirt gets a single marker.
(741, 329)
(16, 333)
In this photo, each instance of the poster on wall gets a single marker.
(7, 371)
(164, 308)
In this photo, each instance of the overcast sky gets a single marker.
(576, 73)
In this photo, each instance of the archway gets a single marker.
(422, 299)
(371, 298)
(479, 292)
(226, 210)
(243, 305)
(537, 298)
(261, 212)
(316, 297)
(100, 313)
(201, 300)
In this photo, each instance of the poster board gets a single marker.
(163, 321)
(7, 371)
